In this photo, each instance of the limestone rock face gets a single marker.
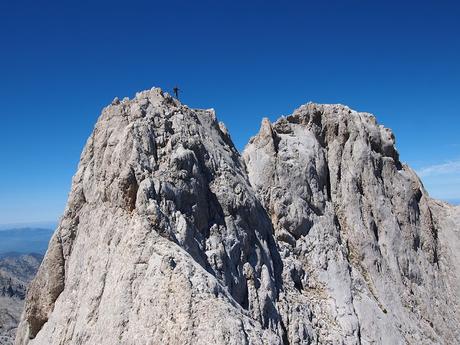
(162, 242)
(371, 255)
(318, 235)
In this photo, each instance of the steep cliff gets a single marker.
(359, 237)
(319, 234)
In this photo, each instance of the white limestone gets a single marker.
(318, 235)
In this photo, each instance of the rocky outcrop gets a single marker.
(360, 239)
(318, 235)
(162, 239)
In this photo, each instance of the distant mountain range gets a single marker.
(21, 251)
(22, 225)
(16, 271)
(24, 240)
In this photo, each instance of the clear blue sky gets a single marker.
(62, 61)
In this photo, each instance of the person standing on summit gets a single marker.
(176, 91)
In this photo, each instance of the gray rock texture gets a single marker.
(318, 234)
(372, 256)
(16, 271)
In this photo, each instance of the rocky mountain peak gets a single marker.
(315, 234)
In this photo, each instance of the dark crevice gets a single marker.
(316, 210)
(339, 174)
(374, 228)
(416, 242)
(244, 303)
(298, 285)
(378, 168)
(434, 233)
(435, 256)
(346, 136)
(359, 186)
(359, 334)
(328, 183)
(375, 145)
(276, 141)
(284, 336)
(320, 131)
(129, 187)
(296, 277)
(339, 228)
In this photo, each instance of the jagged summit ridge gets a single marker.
(359, 224)
(317, 234)
(157, 226)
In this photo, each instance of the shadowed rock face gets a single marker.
(317, 235)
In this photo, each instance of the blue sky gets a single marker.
(61, 62)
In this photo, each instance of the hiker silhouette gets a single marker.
(176, 91)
